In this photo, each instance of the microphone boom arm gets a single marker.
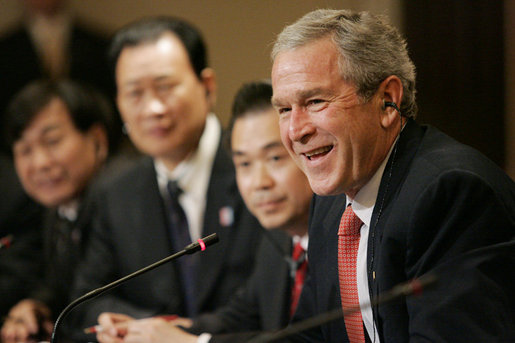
(190, 249)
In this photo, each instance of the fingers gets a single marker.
(113, 327)
(14, 330)
(25, 314)
(26, 319)
(180, 321)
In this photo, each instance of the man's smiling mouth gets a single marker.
(318, 152)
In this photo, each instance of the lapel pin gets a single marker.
(226, 216)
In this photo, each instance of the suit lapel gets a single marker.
(391, 183)
(279, 293)
(151, 227)
(221, 209)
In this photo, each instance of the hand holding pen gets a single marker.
(119, 319)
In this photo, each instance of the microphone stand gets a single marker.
(414, 286)
(200, 245)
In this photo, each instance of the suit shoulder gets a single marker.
(439, 155)
(130, 174)
(319, 202)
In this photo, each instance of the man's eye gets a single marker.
(165, 87)
(315, 102)
(134, 94)
(52, 141)
(283, 110)
(22, 151)
(242, 164)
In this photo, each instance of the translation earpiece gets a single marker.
(391, 104)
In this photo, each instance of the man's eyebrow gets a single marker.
(236, 153)
(308, 93)
(272, 145)
(269, 146)
(136, 82)
(275, 102)
(50, 128)
(303, 94)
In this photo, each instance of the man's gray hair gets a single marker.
(371, 50)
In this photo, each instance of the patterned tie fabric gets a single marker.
(301, 267)
(179, 232)
(348, 244)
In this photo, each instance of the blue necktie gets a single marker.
(180, 236)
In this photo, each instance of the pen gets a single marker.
(99, 328)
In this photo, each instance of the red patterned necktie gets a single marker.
(348, 244)
(301, 265)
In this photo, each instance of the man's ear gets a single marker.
(208, 79)
(390, 92)
(98, 135)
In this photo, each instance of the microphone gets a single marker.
(413, 287)
(200, 245)
(5, 242)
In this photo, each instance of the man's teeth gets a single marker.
(318, 151)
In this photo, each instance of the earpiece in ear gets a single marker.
(391, 104)
(125, 129)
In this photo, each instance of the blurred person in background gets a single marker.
(50, 42)
(58, 133)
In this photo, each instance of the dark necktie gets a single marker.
(348, 244)
(180, 236)
(300, 266)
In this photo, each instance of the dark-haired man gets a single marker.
(184, 189)
(58, 135)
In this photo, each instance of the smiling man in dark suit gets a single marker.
(394, 199)
(184, 189)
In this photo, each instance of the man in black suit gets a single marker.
(277, 192)
(165, 92)
(344, 88)
(58, 136)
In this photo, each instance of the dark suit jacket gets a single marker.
(20, 217)
(64, 244)
(263, 304)
(130, 232)
(442, 200)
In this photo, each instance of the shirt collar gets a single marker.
(365, 200)
(193, 172)
(69, 211)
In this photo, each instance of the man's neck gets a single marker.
(297, 230)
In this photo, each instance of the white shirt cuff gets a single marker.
(204, 338)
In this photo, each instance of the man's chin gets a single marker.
(324, 187)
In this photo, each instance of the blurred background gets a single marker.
(464, 52)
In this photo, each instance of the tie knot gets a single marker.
(350, 223)
(174, 189)
(298, 252)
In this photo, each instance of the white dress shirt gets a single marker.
(363, 206)
(192, 176)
